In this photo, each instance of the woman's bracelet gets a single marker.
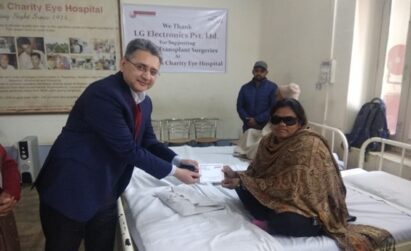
(240, 185)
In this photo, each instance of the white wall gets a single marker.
(180, 95)
(46, 127)
(293, 36)
(214, 94)
(297, 37)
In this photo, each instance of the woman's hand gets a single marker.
(231, 178)
(7, 203)
(229, 173)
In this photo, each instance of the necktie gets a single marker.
(137, 120)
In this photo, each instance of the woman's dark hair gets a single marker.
(294, 105)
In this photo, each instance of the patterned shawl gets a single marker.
(300, 175)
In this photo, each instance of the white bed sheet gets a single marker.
(383, 185)
(155, 227)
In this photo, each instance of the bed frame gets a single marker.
(380, 154)
(123, 238)
(335, 137)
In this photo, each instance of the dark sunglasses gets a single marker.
(288, 121)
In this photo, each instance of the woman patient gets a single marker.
(294, 186)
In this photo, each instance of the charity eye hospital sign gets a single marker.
(190, 39)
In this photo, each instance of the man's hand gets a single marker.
(187, 176)
(252, 123)
(7, 203)
(190, 162)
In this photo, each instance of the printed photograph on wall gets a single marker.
(79, 45)
(31, 53)
(57, 45)
(103, 45)
(82, 62)
(7, 45)
(105, 58)
(50, 51)
(58, 61)
(8, 61)
(105, 61)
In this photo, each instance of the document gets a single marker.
(211, 173)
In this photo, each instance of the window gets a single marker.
(392, 81)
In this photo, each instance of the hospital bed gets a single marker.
(376, 198)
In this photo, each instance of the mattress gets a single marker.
(156, 227)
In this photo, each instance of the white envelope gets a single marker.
(211, 173)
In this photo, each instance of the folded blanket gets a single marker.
(186, 200)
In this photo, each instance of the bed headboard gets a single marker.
(403, 147)
(335, 137)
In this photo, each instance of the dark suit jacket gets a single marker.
(91, 162)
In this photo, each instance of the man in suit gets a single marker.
(107, 133)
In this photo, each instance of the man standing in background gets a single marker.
(256, 98)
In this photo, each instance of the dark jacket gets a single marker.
(256, 102)
(92, 160)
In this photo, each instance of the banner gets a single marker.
(51, 50)
(191, 39)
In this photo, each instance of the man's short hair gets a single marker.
(144, 45)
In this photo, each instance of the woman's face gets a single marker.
(285, 123)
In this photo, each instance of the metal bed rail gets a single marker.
(384, 142)
(335, 135)
(126, 242)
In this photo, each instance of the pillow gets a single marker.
(384, 185)
(340, 163)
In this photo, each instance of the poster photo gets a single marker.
(50, 51)
(191, 39)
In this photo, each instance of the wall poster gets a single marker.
(191, 39)
(51, 50)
